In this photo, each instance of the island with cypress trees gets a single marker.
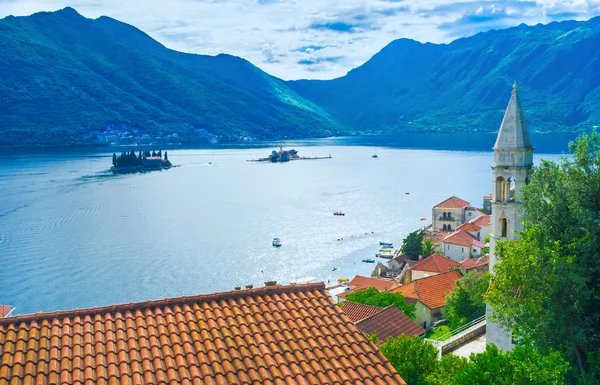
(129, 161)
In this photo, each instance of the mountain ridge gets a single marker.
(465, 85)
(68, 79)
(72, 80)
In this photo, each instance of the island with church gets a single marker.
(129, 161)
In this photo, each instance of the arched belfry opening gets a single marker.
(504, 227)
(500, 189)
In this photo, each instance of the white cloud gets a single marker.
(329, 36)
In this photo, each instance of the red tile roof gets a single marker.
(358, 311)
(469, 264)
(390, 322)
(452, 203)
(469, 227)
(431, 291)
(381, 284)
(460, 238)
(270, 335)
(481, 221)
(436, 263)
(437, 237)
(4, 310)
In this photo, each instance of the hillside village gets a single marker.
(297, 333)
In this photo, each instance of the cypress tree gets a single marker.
(166, 157)
(114, 159)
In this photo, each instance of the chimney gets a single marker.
(420, 258)
(237, 288)
(249, 287)
(271, 283)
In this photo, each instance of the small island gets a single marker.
(142, 161)
(282, 156)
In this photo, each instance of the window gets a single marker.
(448, 247)
(449, 227)
(470, 213)
(444, 227)
(504, 225)
(425, 325)
(444, 214)
(463, 249)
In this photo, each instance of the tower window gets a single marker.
(504, 224)
(500, 189)
(444, 214)
(449, 227)
(444, 227)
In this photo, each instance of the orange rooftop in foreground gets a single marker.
(281, 335)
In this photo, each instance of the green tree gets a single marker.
(548, 282)
(160, 153)
(465, 302)
(428, 248)
(413, 358)
(114, 159)
(373, 297)
(412, 245)
(166, 157)
(445, 372)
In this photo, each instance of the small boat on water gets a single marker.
(374, 155)
(386, 244)
(386, 255)
(276, 242)
(343, 280)
(367, 260)
(339, 213)
(385, 250)
(334, 269)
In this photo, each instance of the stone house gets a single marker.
(460, 245)
(449, 214)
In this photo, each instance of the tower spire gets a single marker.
(513, 132)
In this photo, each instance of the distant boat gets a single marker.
(407, 193)
(334, 269)
(374, 156)
(343, 280)
(368, 260)
(276, 242)
(423, 219)
(385, 250)
(386, 244)
(339, 213)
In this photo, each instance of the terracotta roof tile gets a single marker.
(390, 322)
(431, 291)
(469, 227)
(460, 238)
(271, 335)
(481, 221)
(452, 203)
(381, 284)
(437, 237)
(436, 263)
(357, 311)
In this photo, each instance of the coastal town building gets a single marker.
(512, 168)
(429, 295)
(432, 265)
(6, 311)
(362, 283)
(270, 335)
(462, 244)
(384, 322)
(449, 214)
(483, 221)
(389, 322)
(478, 264)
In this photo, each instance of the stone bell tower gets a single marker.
(513, 161)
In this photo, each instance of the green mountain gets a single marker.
(465, 85)
(68, 80)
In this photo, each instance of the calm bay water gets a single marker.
(74, 236)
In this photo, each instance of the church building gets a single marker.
(512, 167)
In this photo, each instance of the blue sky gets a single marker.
(316, 39)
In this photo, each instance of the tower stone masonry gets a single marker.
(512, 167)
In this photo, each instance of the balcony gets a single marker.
(447, 218)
